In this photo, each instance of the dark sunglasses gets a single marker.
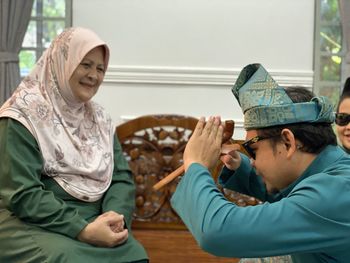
(342, 119)
(246, 145)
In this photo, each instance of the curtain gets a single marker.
(14, 19)
(344, 9)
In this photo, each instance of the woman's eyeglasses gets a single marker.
(342, 119)
(246, 145)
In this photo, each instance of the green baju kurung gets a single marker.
(39, 221)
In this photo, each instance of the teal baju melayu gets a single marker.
(310, 219)
(39, 221)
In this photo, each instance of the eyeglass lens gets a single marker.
(342, 119)
(248, 149)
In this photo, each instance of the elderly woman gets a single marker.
(66, 192)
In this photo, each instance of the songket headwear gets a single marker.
(264, 103)
(75, 138)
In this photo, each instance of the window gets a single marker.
(328, 50)
(48, 19)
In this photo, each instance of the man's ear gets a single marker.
(289, 142)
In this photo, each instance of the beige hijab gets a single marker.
(76, 139)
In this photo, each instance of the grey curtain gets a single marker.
(344, 8)
(14, 19)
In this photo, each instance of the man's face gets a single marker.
(271, 162)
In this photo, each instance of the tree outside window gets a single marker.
(328, 50)
(48, 19)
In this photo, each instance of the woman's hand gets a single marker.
(107, 230)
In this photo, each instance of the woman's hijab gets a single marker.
(75, 138)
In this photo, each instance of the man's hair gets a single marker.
(313, 136)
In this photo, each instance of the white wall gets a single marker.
(183, 56)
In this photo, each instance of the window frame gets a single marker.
(40, 20)
(320, 84)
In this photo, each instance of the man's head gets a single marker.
(313, 136)
(286, 127)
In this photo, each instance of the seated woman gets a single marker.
(342, 119)
(66, 192)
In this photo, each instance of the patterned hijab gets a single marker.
(75, 138)
(264, 103)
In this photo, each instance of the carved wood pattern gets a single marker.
(153, 145)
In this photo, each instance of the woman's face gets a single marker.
(88, 76)
(344, 131)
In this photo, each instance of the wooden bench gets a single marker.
(153, 146)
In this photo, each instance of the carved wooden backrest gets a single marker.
(153, 146)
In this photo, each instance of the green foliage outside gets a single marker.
(52, 13)
(330, 50)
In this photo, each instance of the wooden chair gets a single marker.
(153, 146)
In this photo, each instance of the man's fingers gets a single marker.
(199, 127)
(214, 130)
(219, 134)
(207, 130)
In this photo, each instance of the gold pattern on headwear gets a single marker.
(264, 103)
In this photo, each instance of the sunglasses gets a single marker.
(246, 145)
(342, 119)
